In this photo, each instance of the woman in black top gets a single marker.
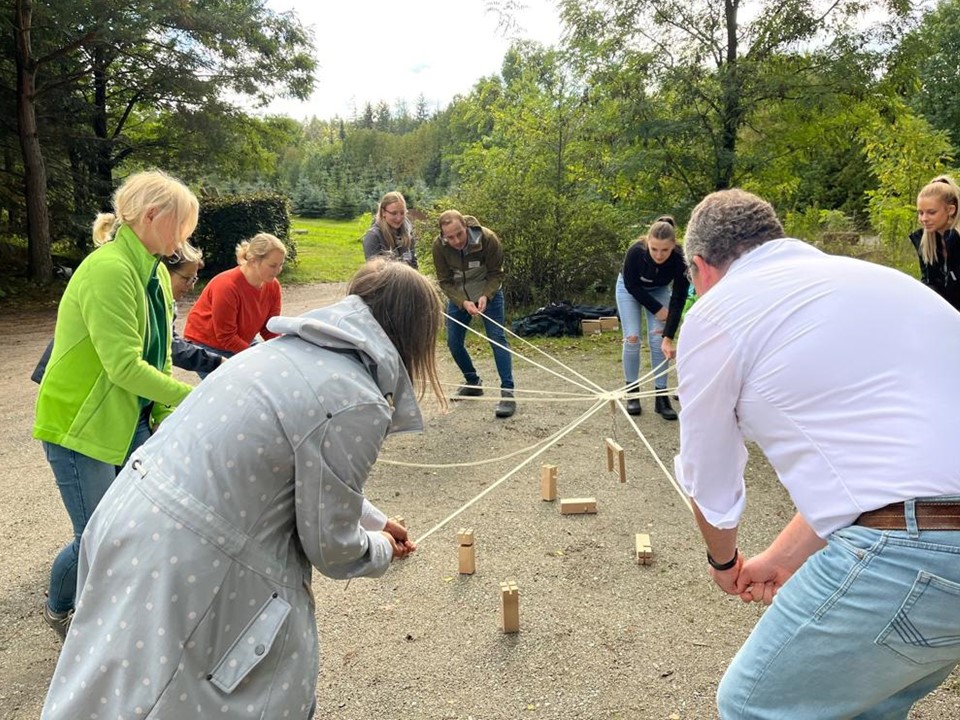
(937, 242)
(654, 283)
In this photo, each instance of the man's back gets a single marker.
(844, 372)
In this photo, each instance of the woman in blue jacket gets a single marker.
(654, 283)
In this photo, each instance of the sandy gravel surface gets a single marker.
(601, 637)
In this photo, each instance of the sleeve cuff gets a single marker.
(371, 517)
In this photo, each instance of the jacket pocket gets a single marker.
(926, 628)
(251, 646)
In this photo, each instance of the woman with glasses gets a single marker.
(183, 267)
(235, 305)
(108, 382)
(392, 232)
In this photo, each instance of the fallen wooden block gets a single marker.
(644, 549)
(578, 506)
(591, 327)
(548, 483)
(609, 323)
(613, 449)
(509, 606)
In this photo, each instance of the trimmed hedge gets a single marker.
(228, 220)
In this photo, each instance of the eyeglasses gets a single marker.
(191, 279)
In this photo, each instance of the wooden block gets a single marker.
(644, 549)
(465, 536)
(578, 506)
(468, 559)
(613, 449)
(509, 607)
(591, 327)
(609, 323)
(548, 483)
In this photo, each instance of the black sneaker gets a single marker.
(507, 405)
(633, 407)
(475, 390)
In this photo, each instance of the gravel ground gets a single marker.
(601, 637)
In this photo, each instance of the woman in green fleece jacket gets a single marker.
(109, 377)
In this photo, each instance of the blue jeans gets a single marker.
(864, 629)
(82, 482)
(457, 334)
(631, 314)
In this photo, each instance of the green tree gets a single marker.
(124, 62)
(705, 68)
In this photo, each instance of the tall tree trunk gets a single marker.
(40, 265)
(103, 164)
(730, 103)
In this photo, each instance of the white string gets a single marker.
(522, 357)
(553, 440)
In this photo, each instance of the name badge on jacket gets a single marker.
(473, 264)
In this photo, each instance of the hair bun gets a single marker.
(667, 219)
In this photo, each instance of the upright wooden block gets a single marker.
(609, 323)
(548, 483)
(509, 606)
(644, 549)
(591, 327)
(578, 506)
(466, 551)
(614, 450)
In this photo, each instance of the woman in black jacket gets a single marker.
(654, 283)
(937, 242)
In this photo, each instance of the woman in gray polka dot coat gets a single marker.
(194, 574)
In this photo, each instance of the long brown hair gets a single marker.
(391, 239)
(408, 308)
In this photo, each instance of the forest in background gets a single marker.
(837, 112)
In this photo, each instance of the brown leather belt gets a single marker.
(930, 516)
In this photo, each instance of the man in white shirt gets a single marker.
(847, 376)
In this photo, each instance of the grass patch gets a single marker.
(327, 250)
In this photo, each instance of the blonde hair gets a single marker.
(389, 235)
(259, 246)
(944, 189)
(186, 255)
(408, 308)
(141, 192)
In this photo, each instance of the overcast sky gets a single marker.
(372, 50)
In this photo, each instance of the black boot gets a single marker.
(507, 405)
(664, 408)
(633, 403)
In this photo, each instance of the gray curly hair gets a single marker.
(728, 223)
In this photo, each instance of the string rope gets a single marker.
(553, 440)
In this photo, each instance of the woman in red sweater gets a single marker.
(236, 304)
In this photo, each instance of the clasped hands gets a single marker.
(401, 544)
(755, 580)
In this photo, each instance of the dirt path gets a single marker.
(601, 637)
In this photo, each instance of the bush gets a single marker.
(229, 220)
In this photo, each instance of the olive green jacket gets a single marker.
(475, 270)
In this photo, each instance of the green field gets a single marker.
(327, 250)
